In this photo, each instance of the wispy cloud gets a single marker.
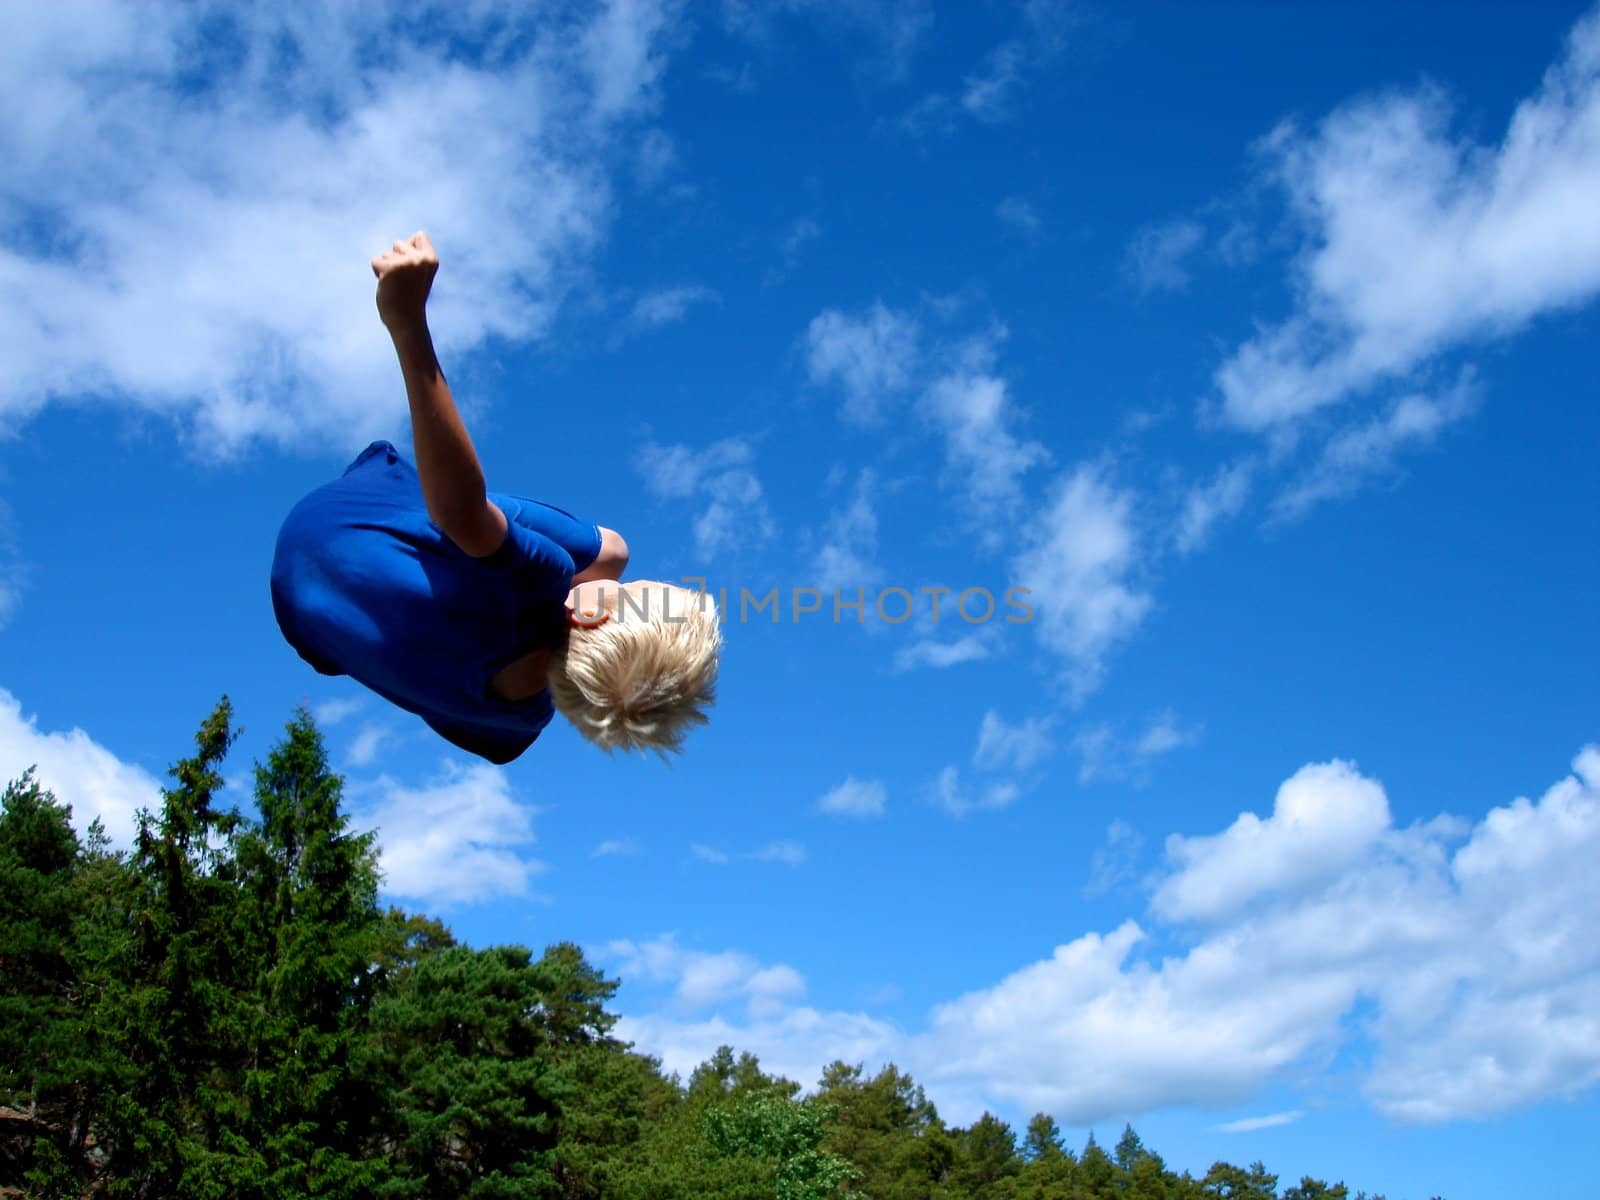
(1417, 241)
(1155, 259)
(1020, 216)
(1115, 859)
(989, 93)
(872, 358)
(1367, 450)
(333, 712)
(1081, 561)
(722, 476)
(931, 652)
(855, 798)
(1205, 506)
(1103, 753)
(664, 306)
(1018, 747)
(1251, 1124)
(364, 749)
(846, 559)
(959, 797)
(617, 848)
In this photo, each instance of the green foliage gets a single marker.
(224, 1012)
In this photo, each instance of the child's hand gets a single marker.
(405, 274)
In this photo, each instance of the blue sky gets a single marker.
(1255, 341)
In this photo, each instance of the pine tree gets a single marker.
(42, 1011)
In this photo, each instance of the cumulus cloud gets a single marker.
(80, 771)
(1418, 240)
(225, 200)
(722, 477)
(1080, 560)
(1324, 817)
(1466, 950)
(855, 798)
(456, 839)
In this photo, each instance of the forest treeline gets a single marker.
(225, 1011)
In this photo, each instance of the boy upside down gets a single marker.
(482, 612)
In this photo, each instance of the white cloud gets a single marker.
(1467, 950)
(701, 979)
(1080, 555)
(1417, 241)
(454, 840)
(80, 771)
(789, 853)
(13, 572)
(722, 475)
(873, 358)
(1114, 859)
(368, 744)
(1005, 747)
(1163, 735)
(617, 847)
(845, 559)
(237, 223)
(332, 712)
(1154, 261)
(791, 248)
(1251, 1124)
(1219, 498)
(959, 798)
(989, 93)
(666, 305)
(855, 798)
(1358, 453)
(709, 854)
(971, 406)
(1324, 817)
(929, 652)
(1019, 216)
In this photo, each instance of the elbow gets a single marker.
(612, 560)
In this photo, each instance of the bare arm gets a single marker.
(452, 478)
(610, 563)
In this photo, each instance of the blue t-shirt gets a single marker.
(364, 584)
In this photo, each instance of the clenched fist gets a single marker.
(405, 274)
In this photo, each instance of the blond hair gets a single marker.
(643, 678)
